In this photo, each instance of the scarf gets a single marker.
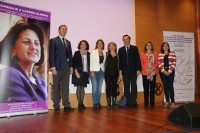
(150, 59)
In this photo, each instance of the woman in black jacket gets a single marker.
(81, 66)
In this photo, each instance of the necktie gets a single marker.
(65, 46)
(127, 60)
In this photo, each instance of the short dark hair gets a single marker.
(10, 39)
(152, 49)
(161, 48)
(100, 40)
(125, 36)
(61, 26)
(87, 45)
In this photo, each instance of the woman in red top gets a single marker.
(166, 65)
(149, 61)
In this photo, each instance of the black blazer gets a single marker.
(57, 53)
(134, 60)
(77, 64)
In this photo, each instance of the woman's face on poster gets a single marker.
(27, 47)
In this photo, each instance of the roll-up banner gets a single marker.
(182, 43)
(24, 38)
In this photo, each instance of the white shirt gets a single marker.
(84, 63)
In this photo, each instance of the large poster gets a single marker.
(24, 36)
(182, 43)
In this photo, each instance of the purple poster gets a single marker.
(24, 37)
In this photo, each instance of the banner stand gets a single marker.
(182, 43)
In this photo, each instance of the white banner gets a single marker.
(182, 43)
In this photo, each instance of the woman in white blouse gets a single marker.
(97, 61)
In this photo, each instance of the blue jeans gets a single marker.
(97, 82)
(168, 83)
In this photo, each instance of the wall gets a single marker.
(152, 17)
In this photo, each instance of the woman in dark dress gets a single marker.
(111, 74)
(80, 77)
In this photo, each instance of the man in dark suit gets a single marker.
(60, 58)
(129, 69)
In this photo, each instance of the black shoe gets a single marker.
(146, 106)
(83, 107)
(57, 110)
(128, 105)
(68, 109)
(80, 107)
(152, 106)
(94, 107)
(135, 106)
(99, 106)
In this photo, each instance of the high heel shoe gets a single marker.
(173, 106)
(166, 105)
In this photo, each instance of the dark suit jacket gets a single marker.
(15, 86)
(77, 64)
(134, 60)
(57, 54)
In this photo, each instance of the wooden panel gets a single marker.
(169, 11)
(151, 2)
(159, 9)
(143, 23)
(185, 4)
(169, 24)
(185, 26)
(185, 15)
(160, 24)
(145, 36)
(144, 9)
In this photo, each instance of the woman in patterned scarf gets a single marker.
(149, 61)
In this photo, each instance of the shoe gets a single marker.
(128, 105)
(108, 103)
(80, 107)
(135, 105)
(83, 106)
(57, 110)
(68, 109)
(99, 106)
(173, 106)
(152, 106)
(146, 106)
(166, 105)
(94, 107)
(114, 105)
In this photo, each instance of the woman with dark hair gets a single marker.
(97, 61)
(81, 66)
(22, 48)
(149, 61)
(111, 74)
(166, 65)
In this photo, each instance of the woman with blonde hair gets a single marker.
(111, 74)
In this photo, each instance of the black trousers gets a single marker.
(130, 80)
(61, 77)
(168, 83)
(111, 85)
(149, 85)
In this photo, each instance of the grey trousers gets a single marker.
(62, 77)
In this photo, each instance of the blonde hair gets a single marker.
(114, 45)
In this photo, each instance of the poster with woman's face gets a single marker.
(24, 39)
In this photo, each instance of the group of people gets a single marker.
(23, 48)
(97, 65)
